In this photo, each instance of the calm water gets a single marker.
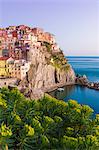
(86, 65)
(90, 67)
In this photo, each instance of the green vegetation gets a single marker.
(60, 62)
(57, 59)
(46, 124)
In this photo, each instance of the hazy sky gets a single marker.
(75, 23)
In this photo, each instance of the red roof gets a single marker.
(4, 58)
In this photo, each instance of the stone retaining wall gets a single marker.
(7, 81)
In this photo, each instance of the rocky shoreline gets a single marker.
(47, 90)
(83, 80)
(39, 92)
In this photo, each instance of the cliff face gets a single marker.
(48, 69)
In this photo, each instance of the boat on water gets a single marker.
(60, 89)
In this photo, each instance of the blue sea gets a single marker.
(86, 65)
(90, 67)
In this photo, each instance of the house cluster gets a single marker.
(10, 67)
(16, 43)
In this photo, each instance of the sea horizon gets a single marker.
(80, 56)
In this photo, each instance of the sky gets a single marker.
(75, 23)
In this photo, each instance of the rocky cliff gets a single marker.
(49, 68)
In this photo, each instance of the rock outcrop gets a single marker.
(48, 69)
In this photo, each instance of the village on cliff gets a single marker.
(16, 45)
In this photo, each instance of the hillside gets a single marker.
(36, 59)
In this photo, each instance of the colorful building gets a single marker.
(18, 45)
(3, 66)
(18, 68)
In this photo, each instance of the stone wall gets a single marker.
(7, 81)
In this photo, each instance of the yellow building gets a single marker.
(3, 66)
